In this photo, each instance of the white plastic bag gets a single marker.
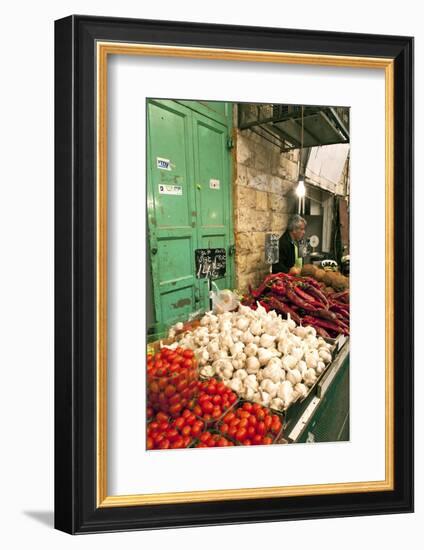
(223, 300)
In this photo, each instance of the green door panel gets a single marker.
(213, 191)
(172, 233)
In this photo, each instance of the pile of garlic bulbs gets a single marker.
(259, 355)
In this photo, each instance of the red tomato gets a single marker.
(241, 434)
(235, 422)
(210, 442)
(204, 436)
(177, 444)
(229, 416)
(260, 428)
(164, 444)
(186, 440)
(252, 420)
(247, 441)
(260, 414)
(257, 439)
(256, 407)
(267, 422)
(197, 410)
(266, 441)
(150, 444)
(188, 353)
(232, 430)
(178, 423)
(169, 390)
(181, 386)
(224, 428)
(243, 414)
(149, 412)
(216, 399)
(186, 413)
(275, 426)
(186, 430)
(211, 388)
(222, 442)
(207, 407)
(247, 407)
(251, 431)
(175, 409)
(216, 413)
(172, 434)
(196, 431)
(244, 422)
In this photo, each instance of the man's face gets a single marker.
(299, 232)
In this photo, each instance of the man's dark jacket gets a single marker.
(286, 254)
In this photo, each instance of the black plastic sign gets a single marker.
(211, 263)
(271, 248)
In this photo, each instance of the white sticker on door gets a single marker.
(170, 189)
(163, 164)
(214, 184)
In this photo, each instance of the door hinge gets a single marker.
(230, 142)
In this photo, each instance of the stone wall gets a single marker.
(262, 181)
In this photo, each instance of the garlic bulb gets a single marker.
(289, 362)
(293, 376)
(277, 404)
(251, 349)
(266, 340)
(252, 365)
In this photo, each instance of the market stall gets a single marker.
(268, 367)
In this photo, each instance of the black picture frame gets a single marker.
(76, 509)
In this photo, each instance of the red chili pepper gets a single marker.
(295, 299)
(305, 296)
(279, 288)
(324, 314)
(263, 286)
(315, 292)
(325, 324)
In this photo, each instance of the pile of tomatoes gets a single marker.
(209, 439)
(171, 380)
(213, 400)
(164, 432)
(251, 424)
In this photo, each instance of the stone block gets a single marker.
(261, 200)
(248, 220)
(245, 197)
(245, 150)
(257, 180)
(279, 222)
(241, 176)
(277, 202)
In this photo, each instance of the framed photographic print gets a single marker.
(234, 274)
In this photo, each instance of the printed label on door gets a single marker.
(170, 189)
(214, 184)
(163, 164)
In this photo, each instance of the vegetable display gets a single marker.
(251, 424)
(303, 300)
(259, 355)
(171, 379)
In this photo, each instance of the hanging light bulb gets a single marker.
(300, 189)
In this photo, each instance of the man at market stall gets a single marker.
(290, 260)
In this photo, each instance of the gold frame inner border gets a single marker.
(104, 49)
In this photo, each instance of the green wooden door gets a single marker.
(189, 204)
(212, 194)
